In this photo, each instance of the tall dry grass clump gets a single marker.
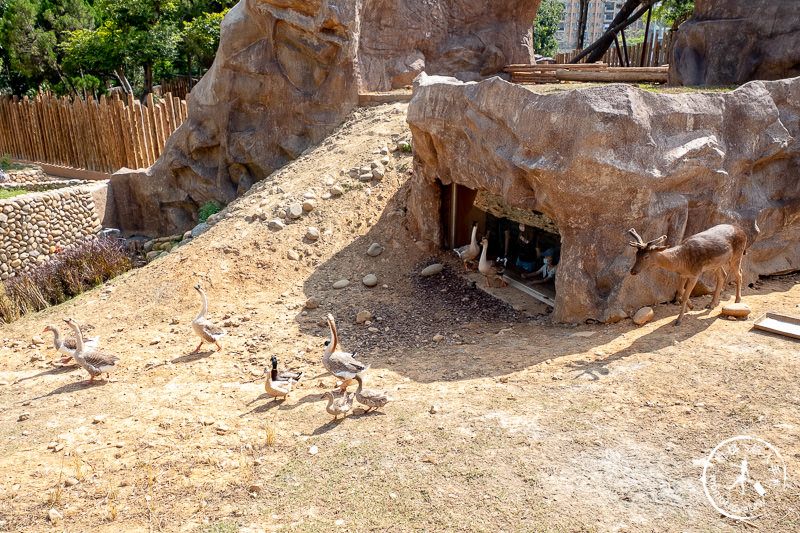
(66, 274)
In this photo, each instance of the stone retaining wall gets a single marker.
(34, 226)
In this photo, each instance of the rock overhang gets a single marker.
(600, 160)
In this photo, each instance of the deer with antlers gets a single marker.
(711, 249)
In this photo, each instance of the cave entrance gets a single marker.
(518, 238)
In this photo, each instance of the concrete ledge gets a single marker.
(66, 172)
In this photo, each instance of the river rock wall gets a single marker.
(36, 225)
(601, 160)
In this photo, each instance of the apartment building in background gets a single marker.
(598, 19)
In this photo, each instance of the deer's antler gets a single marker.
(639, 243)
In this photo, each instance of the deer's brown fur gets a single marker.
(711, 249)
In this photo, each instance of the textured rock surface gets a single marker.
(735, 41)
(601, 160)
(287, 72)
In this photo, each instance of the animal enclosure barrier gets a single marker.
(655, 54)
(101, 135)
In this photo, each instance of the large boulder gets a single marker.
(601, 160)
(734, 41)
(286, 74)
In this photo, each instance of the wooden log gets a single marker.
(618, 76)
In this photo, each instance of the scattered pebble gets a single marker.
(24, 416)
(432, 270)
(438, 338)
(374, 250)
(643, 316)
(312, 303)
(370, 280)
(54, 516)
(313, 450)
(312, 233)
(341, 284)
(363, 316)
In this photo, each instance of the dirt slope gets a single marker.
(508, 423)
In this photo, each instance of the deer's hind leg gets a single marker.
(736, 267)
(689, 287)
(720, 273)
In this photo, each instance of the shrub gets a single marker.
(208, 209)
(68, 273)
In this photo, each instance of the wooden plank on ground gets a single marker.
(618, 76)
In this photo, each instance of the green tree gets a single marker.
(134, 34)
(673, 12)
(545, 26)
(30, 33)
(201, 38)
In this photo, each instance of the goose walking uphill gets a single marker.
(339, 406)
(488, 269)
(94, 361)
(207, 331)
(468, 253)
(343, 365)
(67, 345)
(280, 383)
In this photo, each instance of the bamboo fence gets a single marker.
(656, 54)
(101, 135)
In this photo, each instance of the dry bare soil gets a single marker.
(508, 423)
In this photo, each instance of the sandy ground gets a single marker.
(506, 422)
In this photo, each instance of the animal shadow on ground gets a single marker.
(51, 372)
(281, 405)
(191, 357)
(72, 387)
(649, 343)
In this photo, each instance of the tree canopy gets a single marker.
(80, 46)
(546, 25)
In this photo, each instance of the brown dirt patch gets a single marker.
(536, 426)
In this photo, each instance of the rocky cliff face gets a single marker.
(734, 41)
(601, 160)
(286, 74)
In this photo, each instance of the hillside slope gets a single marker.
(506, 423)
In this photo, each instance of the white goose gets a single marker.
(67, 345)
(94, 361)
(207, 331)
(341, 364)
(469, 252)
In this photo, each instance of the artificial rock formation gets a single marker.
(286, 74)
(601, 160)
(735, 41)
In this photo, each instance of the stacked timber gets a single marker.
(592, 72)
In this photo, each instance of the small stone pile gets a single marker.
(34, 226)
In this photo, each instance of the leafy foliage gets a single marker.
(545, 27)
(79, 47)
(208, 209)
(673, 12)
(201, 36)
(68, 273)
